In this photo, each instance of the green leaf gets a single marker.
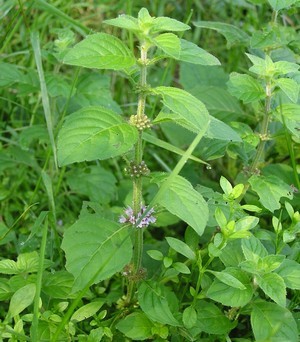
(181, 248)
(273, 286)
(5, 290)
(211, 319)
(95, 249)
(169, 43)
(87, 311)
(270, 262)
(245, 88)
(290, 272)
(58, 285)
(100, 51)
(246, 223)
(124, 21)
(271, 322)
(228, 279)
(95, 182)
(270, 189)
(94, 133)
(21, 299)
(136, 326)
(168, 24)
(220, 130)
(229, 295)
(289, 87)
(232, 254)
(152, 299)
(253, 249)
(9, 74)
(155, 254)
(232, 34)
(181, 268)
(225, 185)
(186, 106)
(189, 317)
(278, 5)
(262, 66)
(192, 53)
(182, 200)
(290, 119)
(283, 67)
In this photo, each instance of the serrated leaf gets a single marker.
(232, 34)
(253, 249)
(189, 108)
(169, 43)
(229, 295)
(100, 51)
(289, 87)
(181, 247)
(124, 21)
(21, 299)
(136, 326)
(262, 66)
(168, 24)
(270, 189)
(95, 249)
(278, 5)
(154, 303)
(245, 88)
(192, 53)
(182, 200)
(273, 286)
(94, 133)
(283, 67)
(290, 272)
(87, 311)
(271, 322)
(189, 317)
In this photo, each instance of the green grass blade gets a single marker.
(35, 42)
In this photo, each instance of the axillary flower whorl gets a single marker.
(140, 122)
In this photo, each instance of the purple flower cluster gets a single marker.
(129, 217)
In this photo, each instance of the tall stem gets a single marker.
(137, 182)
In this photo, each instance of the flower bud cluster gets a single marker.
(140, 122)
(137, 170)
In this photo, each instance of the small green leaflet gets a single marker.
(278, 5)
(233, 34)
(273, 286)
(94, 133)
(100, 51)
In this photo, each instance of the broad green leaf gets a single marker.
(181, 247)
(273, 286)
(58, 285)
(228, 279)
(5, 290)
(95, 182)
(289, 87)
(94, 133)
(189, 317)
(181, 267)
(168, 24)
(270, 189)
(220, 130)
(87, 311)
(124, 21)
(290, 272)
(253, 249)
(155, 254)
(9, 74)
(21, 299)
(263, 67)
(246, 223)
(192, 53)
(154, 303)
(233, 34)
(211, 320)
(182, 200)
(169, 43)
(95, 249)
(270, 263)
(245, 88)
(229, 295)
(283, 67)
(290, 119)
(136, 326)
(271, 322)
(100, 51)
(232, 254)
(278, 5)
(186, 106)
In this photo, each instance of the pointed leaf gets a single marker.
(278, 5)
(95, 249)
(154, 303)
(186, 106)
(273, 286)
(168, 24)
(21, 299)
(182, 200)
(124, 21)
(181, 247)
(228, 279)
(290, 272)
(100, 51)
(192, 53)
(233, 34)
(169, 43)
(253, 249)
(94, 133)
(271, 322)
(289, 87)
(270, 189)
(87, 311)
(136, 326)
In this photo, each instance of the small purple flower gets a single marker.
(143, 223)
